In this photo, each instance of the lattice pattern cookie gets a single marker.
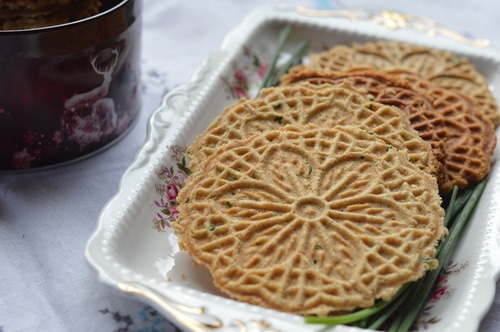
(311, 220)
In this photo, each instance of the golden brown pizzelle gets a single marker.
(443, 68)
(311, 220)
(307, 103)
(462, 138)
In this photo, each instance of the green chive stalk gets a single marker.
(348, 318)
(283, 37)
(273, 74)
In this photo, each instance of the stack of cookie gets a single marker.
(456, 111)
(29, 14)
(323, 194)
(461, 135)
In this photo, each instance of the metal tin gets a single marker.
(69, 90)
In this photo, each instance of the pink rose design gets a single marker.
(174, 213)
(239, 92)
(171, 191)
(239, 75)
(443, 278)
(439, 293)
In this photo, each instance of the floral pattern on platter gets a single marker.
(172, 181)
(442, 291)
(250, 70)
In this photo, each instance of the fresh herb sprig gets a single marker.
(294, 60)
(273, 74)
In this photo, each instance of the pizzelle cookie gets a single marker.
(463, 140)
(303, 104)
(442, 68)
(311, 221)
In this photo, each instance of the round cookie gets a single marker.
(311, 221)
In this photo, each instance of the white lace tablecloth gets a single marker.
(46, 217)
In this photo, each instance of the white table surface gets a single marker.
(46, 217)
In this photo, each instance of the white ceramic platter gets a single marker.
(135, 251)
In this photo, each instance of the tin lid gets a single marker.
(114, 19)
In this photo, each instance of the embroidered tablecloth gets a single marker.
(46, 217)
